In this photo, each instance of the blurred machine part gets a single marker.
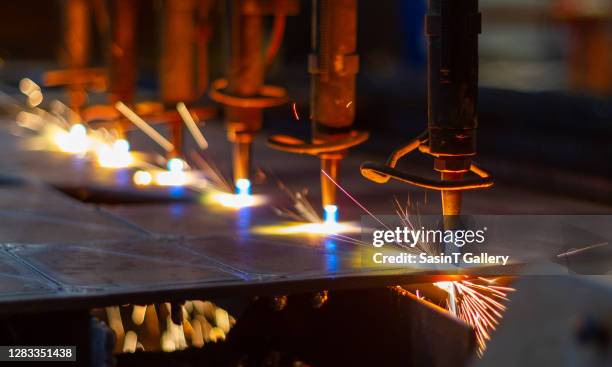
(77, 76)
(178, 66)
(122, 72)
(122, 86)
(183, 67)
(590, 43)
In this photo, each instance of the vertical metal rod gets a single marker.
(178, 61)
(246, 76)
(123, 63)
(205, 9)
(178, 64)
(123, 57)
(331, 166)
(77, 33)
(451, 199)
(77, 41)
(241, 156)
(452, 28)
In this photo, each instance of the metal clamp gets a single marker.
(381, 173)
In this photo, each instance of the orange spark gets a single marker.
(476, 305)
(295, 113)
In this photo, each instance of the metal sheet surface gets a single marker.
(36, 214)
(19, 281)
(124, 265)
(58, 252)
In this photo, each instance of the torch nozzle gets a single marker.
(451, 201)
(329, 165)
(241, 157)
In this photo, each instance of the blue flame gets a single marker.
(176, 165)
(330, 214)
(243, 186)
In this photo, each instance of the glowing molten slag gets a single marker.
(176, 175)
(329, 226)
(73, 141)
(116, 155)
(235, 201)
(241, 199)
(176, 165)
(478, 302)
(319, 229)
(143, 178)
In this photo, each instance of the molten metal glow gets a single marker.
(234, 200)
(142, 178)
(237, 201)
(479, 304)
(322, 229)
(241, 199)
(171, 178)
(445, 285)
(74, 141)
(330, 215)
(116, 155)
(176, 175)
(176, 165)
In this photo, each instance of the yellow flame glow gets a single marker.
(116, 155)
(322, 228)
(142, 178)
(444, 285)
(236, 201)
(171, 178)
(161, 177)
(73, 141)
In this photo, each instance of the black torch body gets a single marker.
(452, 29)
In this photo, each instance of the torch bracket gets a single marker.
(382, 173)
(291, 144)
